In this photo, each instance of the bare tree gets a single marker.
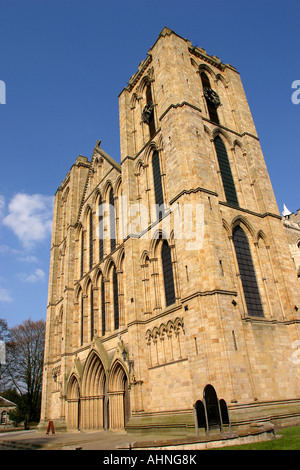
(4, 338)
(24, 361)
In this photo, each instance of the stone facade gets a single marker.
(158, 328)
(291, 223)
(6, 406)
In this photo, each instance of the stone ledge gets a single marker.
(259, 432)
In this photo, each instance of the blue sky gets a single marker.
(64, 64)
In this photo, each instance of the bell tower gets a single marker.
(188, 139)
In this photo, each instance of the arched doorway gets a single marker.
(119, 399)
(105, 407)
(200, 415)
(94, 394)
(224, 413)
(212, 407)
(74, 404)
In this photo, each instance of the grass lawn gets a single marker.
(290, 440)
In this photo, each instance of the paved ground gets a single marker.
(98, 440)
(110, 440)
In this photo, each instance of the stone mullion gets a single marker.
(157, 291)
(107, 286)
(120, 280)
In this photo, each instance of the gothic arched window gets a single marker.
(157, 182)
(226, 174)
(207, 90)
(112, 220)
(103, 325)
(92, 311)
(91, 239)
(247, 273)
(82, 253)
(168, 274)
(100, 227)
(115, 298)
(81, 318)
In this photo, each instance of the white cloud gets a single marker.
(30, 217)
(28, 259)
(19, 254)
(5, 295)
(37, 276)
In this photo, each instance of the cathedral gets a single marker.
(173, 302)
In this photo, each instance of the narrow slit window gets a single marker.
(92, 312)
(82, 254)
(103, 306)
(157, 181)
(168, 274)
(115, 298)
(91, 239)
(112, 220)
(226, 174)
(101, 231)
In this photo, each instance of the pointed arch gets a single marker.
(73, 403)
(78, 290)
(206, 69)
(106, 189)
(144, 257)
(97, 194)
(151, 148)
(120, 258)
(84, 214)
(145, 81)
(86, 284)
(94, 392)
(155, 242)
(238, 143)
(119, 395)
(92, 366)
(221, 78)
(133, 100)
(261, 234)
(117, 185)
(240, 220)
(226, 226)
(109, 263)
(217, 131)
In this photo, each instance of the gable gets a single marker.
(4, 403)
